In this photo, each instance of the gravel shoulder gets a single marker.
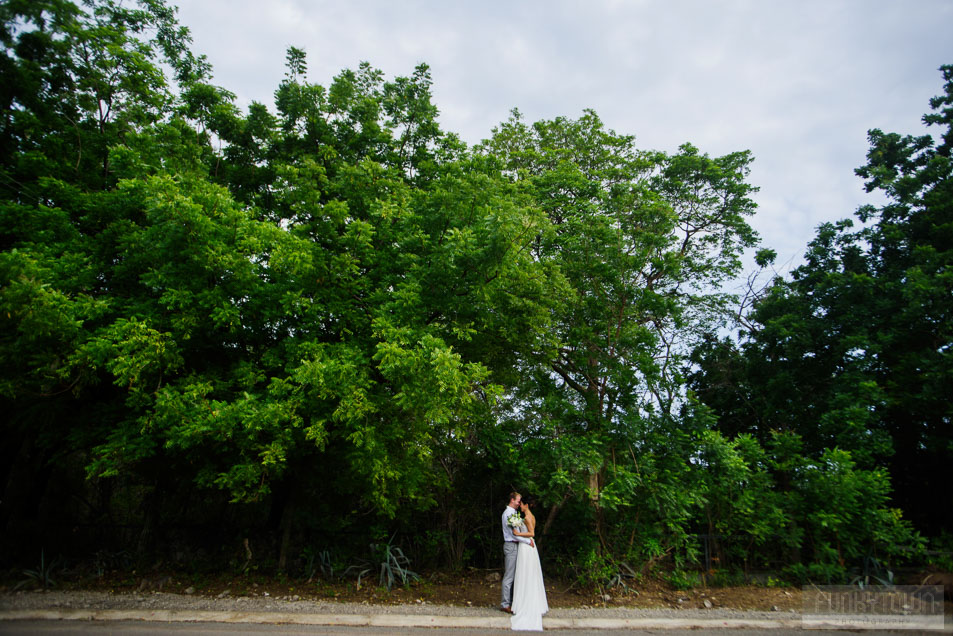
(91, 600)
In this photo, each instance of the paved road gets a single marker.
(141, 628)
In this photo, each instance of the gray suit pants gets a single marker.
(509, 571)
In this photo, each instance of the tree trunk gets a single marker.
(287, 518)
(595, 482)
(151, 508)
(554, 511)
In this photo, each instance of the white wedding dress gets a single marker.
(529, 594)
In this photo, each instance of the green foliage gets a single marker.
(393, 566)
(593, 568)
(42, 575)
(682, 580)
(847, 516)
(773, 582)
(853, 352)
(639, 239)
(389, 561)
(940, 551)
(325, 318)
(873, 573)
(318, 562)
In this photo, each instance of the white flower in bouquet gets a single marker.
(515, 520)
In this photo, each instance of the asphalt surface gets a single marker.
(65, 612)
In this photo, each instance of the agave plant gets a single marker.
(873, 569)
(390, 561)
(41, 575)
(318, 561)
(393, 565)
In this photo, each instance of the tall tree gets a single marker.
(854, 350)
(641, 238)
(78, 84)
(290, 321)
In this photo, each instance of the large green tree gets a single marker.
(77, 84)
(642, 239)
(310, 321)
(853, 351)
(292, 320)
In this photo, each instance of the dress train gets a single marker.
(529, 593)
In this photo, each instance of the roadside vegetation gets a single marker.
(321, 339)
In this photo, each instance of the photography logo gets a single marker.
(915, 607)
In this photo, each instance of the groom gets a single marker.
(509, 552)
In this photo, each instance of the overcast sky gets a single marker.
(797, 83)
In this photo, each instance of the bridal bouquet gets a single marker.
(515, 520)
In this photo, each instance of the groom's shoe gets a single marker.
(506, 609)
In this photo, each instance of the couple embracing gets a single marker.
(524, 595)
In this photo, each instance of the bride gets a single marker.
(529, 594)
